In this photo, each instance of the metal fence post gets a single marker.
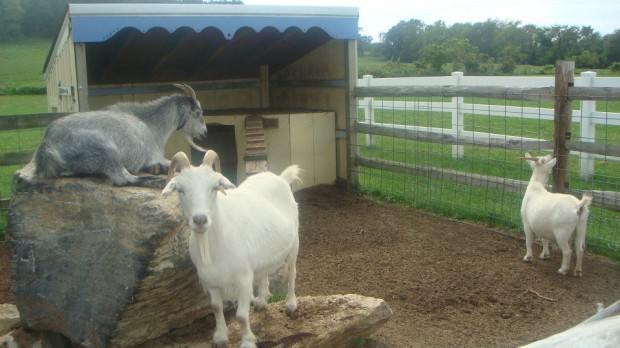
(587, 129)
(458, 151)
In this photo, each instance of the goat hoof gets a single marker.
(562, 271)
(260, 305)
(290, 310)
(545, 256)
(247, 345)
(219, 342)
(577, 273)
(527, 258)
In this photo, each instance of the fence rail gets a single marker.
(20, 122)
(587, 89)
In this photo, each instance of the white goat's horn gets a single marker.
(212, 160)
(179, 159)
(187, 89)
(535, 159)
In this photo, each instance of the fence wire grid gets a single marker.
(414, 156)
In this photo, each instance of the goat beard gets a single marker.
(202, 240)
(191, 143)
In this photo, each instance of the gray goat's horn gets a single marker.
(187, 89)
(181, 160)
(212, 160)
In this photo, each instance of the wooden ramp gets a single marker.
(255, 149)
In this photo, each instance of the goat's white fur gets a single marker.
(553, 216)
(239, 237)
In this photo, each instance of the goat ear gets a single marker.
(527, 154)
(170, 187)
(225, 183)
(183, 121)
(552, 162)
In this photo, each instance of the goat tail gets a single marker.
(584, 203)
(47, 161)
(292, 174)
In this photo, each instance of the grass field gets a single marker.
(21, 63)
(21, 67)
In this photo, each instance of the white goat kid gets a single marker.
(238, 237)
(553, 216)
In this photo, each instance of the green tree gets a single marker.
(11, 14)
(459, 52)
(435, 56)
(364, 43)
(586, 59)
(510, 57)
(402, 42)
(612, 47)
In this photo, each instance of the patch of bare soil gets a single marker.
(448, 283)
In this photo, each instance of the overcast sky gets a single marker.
(378, 16)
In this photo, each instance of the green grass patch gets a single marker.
(277, 298)
(17, 140)
(21, 63)
(23, 104)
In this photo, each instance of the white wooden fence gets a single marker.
(586, 115)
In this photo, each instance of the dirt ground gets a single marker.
(449, 283)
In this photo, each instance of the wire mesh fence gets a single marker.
(19, 137)
(459, 156)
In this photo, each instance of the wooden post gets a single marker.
(263, 73)
(352, 170)
(562, 118)
(82, 78)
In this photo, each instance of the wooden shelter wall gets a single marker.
(62, 72)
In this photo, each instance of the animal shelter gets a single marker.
(275, 82)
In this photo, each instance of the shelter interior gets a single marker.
(294, 65)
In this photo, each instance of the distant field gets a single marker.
(22, 104)
(381, 68)
(21, 64)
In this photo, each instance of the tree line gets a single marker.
(468, 45)
(42, 18)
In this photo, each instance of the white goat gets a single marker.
(238, 237)
(553, 216)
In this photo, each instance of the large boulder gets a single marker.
(99, 264)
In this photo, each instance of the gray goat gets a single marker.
(120, 139)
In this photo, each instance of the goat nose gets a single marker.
(200, 220)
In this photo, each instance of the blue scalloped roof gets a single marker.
(99, 22)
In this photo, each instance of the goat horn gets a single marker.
(212, 160)
(187, 89)
(180, 159)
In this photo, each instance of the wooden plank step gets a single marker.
(255, 148)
